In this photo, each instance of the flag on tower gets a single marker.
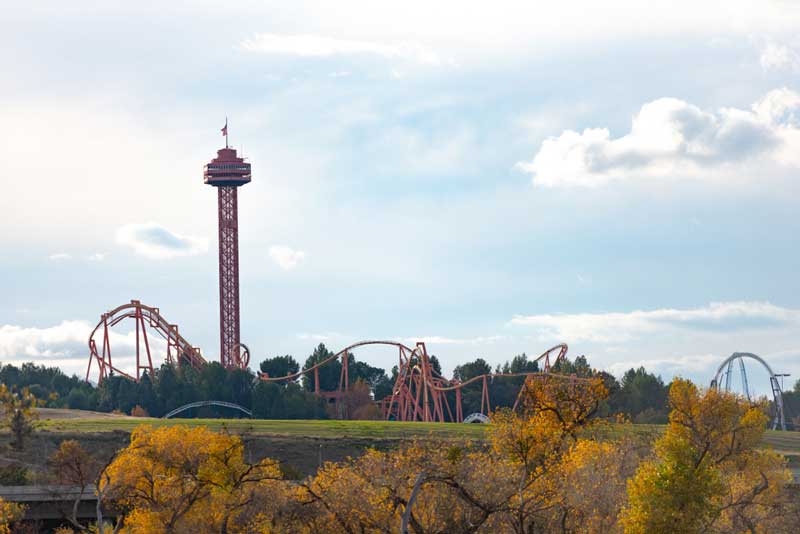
(225, 128)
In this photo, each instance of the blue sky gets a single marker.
(492, 179)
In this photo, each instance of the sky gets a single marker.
(490, 178)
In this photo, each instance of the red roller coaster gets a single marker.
(419, 393)
(177, 348)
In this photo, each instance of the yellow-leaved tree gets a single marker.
(17, 413)
(181, 479)
(541, 472)
(9, 514)
(707, 474)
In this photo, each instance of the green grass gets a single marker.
(300, 428)
(785, 442)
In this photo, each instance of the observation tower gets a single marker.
(227, 172)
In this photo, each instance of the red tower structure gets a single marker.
(227, 172)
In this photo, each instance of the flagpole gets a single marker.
(226, 132)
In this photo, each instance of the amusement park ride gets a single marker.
(419, 393)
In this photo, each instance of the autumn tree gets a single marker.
(17, 412)
(538, 475)
(179, 479)
(358, 403)
(707, 475)
(10, 513)
(71, 465)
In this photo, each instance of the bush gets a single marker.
(13, 475)
(138, 411)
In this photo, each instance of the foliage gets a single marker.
(522, 483)
(280, 366)
(48, 384)
(552, 466)
(71, 465)
(10, 513)
(181, 479)
(330, 373)
(13, 475)
(358, 403)
(17, 412)
(138, 411)
(641, 395)
(275, 401)
(707, 474)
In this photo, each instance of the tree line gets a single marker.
(637, 393)
(552, 466)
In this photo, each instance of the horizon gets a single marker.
(490, 183)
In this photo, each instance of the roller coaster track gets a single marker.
(178, 348)
(725, 372)
(419, 393)
(200, 404)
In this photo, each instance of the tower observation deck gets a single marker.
(227, 172)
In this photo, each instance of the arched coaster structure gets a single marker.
(477, 418)
(336, 397)
(200, 404)
(419, 393)
(722, 381)
(145, 317)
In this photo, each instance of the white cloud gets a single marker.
(286, 257)
(777, 56)
(670, 138)
(66, 345)
(154, 241)
(67, 339)
(670, 366)
(59, 256)
(319, 46)
(616, 327)
(97, 256)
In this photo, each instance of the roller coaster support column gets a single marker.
(485, 406)
(141, 330)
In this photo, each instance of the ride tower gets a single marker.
(227, 172)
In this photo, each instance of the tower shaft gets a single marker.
(228, 277)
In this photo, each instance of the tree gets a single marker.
(78, 400)
(10, 513)
(358, 403)
(265, 395)
(523, 483)
(707, 475)
(471, 369)
(643, 396)
(329, 374)
(279, 366)
(146, 396)
(166, 388)
(180, 479)
(72, 466)
(17, 411)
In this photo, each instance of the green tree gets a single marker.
(146, 396)
(239, 386)
(643, 396)
(329, 374)
(279, 366)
